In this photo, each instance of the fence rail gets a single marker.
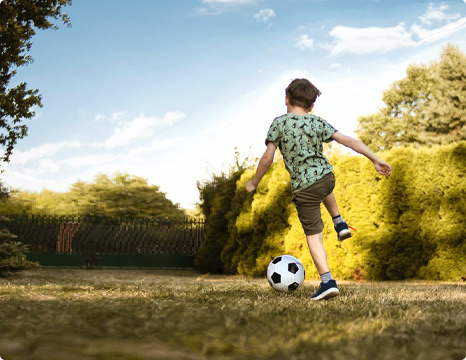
(97, 236)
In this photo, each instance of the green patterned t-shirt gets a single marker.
(300, 139)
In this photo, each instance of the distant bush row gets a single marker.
(410, 226)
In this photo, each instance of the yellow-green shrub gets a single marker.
(409, 226)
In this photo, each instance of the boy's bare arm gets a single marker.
(382, 167)
(264, 164)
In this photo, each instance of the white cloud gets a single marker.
(47, 166)
(112, 118)
(334, 66)
(439, 33)
(264, 15)
(437, 14)
(141, 127)
(305, 42)
(369, 40)
(117, 115)
(156, 145)
(27, 180)
(38, 152)
(88, 161)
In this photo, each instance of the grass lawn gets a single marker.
(61, 314)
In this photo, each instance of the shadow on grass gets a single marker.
(184, 316)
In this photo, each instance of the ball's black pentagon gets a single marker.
(293, 286)
(274, 261)
(276, 278)
(293, 268)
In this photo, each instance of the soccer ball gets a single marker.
(285, 273)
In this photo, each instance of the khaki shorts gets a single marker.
(308, 200)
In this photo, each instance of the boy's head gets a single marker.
(302, 93)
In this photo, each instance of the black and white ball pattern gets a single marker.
(285, 273)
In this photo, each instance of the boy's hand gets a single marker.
(383, 168)
(250, 187)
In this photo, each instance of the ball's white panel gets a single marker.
(279, 275)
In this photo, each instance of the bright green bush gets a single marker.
(409, 226)
(257, 225)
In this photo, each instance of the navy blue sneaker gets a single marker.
(326, 291)
(343, 231)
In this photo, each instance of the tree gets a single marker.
(121, 196)
(216, 197)
(12, 256)
(426, 107)
(446, 113)
(18, 20)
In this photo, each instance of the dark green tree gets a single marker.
(12, 252)
(19, 20)
(216, 197)
(216, 203)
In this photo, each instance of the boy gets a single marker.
(300, 135)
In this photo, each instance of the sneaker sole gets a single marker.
(330, 293)
(344, 234)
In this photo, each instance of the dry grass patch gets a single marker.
(147, 314)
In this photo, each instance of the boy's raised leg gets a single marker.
(331, 204)
(341, 227)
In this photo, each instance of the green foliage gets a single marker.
(410, 226)
(12, 252)
(446, 113)
(18, 20)
(215, 196)
(266, 224)
(239, 229)
(221, 204)
(401, 120)
(122, 195)
(426, 107)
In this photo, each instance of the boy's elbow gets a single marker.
(267, 160)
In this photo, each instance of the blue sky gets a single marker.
(167, 89)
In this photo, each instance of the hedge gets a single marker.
(410, 226)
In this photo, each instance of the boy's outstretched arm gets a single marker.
(382, 167)
(264, 164)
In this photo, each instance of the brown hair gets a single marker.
(302, 93)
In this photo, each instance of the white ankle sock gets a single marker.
(326, 277)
